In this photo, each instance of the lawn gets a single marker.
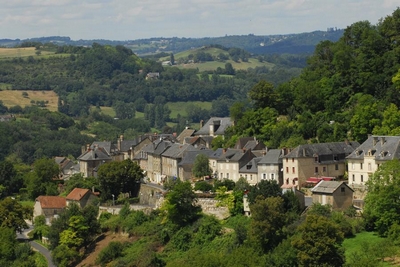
(213, 65)
(14, 97)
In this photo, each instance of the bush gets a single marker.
(109, 253)
(203, 186)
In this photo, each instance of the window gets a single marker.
(293, 169)
(369, 167)
(324, 169)
(362, 178)
(287, 169)
(353, 166)
(213, 163)
(292, 159)
(264, 176)
(221, 176)
(316, 170)
(361, 166)
(354, 178)
(245, 176)
(335, 157)
(336, 167)
(287, 159)
(272, 176)
(316, 158)
(251, 176)
(342, 189)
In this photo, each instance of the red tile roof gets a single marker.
(77, 194)
(52, 202)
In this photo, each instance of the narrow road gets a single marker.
(23, 235)
(44, 251)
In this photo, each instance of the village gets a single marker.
(327, 173)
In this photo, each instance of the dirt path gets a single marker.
(108, 237)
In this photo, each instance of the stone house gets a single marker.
(81, 196)
(337, 194)
(250, 171)
(92, 159)
(231, 161)
(316, 160)
(154, 163)
(49, 206)
(215, 126)
(185, 167)
(171, 158)
(367, 158)
(270, 166)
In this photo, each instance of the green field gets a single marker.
(14, 97)
(181, 107)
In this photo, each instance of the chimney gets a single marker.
(223, 150)
(374, 140)
(304, 152)
(244, 150)
(211, 129)
(83, 149)
(201, 124)
(119, 142)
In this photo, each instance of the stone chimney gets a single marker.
(201, 124)
(383, 140)
(374, 140)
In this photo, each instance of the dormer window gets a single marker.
(335, 157)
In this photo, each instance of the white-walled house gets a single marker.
(367, 158)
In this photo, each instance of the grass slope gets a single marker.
(14, 97)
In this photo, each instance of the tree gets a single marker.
(267, 221)
(201, 166)
(319, 242)
(12, 214)
(265, 188)
(119, 177)
(8, 179)
(382, 202)
(263, 95)
(180, 204)
(40, 181)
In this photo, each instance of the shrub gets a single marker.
(203, 186)
(109, 253)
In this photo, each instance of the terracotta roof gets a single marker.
(52, 202)
(77, 194)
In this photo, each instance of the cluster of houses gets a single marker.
(333, 170)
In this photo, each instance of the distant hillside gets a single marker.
(257, 44)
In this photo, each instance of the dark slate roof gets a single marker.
(273, 156)
(126, 145)
(97, 153)
(108, 146)
(242, 141)
(176, 150)
(223, 124)
(324, 151)
(250, 167)
(216, 154)
(160, 147)
(380, 147)
(185, 133)
(328, 187)
(232, 154)
(190, 156)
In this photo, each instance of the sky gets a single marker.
(139, 19)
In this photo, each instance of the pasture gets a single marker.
(14, 97)
(6, 53)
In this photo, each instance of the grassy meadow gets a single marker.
(14, 97)
(6, 53)
(181, 107)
